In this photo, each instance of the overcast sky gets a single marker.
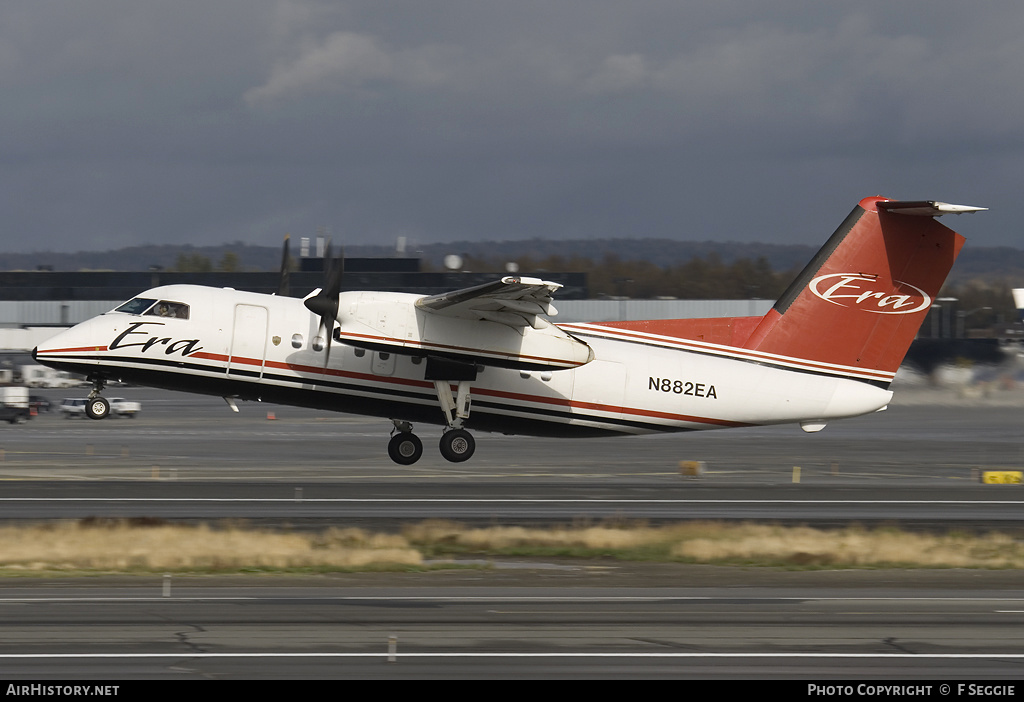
(208, 121)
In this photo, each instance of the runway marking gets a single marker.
(511, 599)
(503, 500)
(476, 654)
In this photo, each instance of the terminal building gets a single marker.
(36, 304)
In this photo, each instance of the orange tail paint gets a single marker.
(861, 300)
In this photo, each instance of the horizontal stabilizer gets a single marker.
(926, 208)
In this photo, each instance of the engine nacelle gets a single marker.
(392, 322)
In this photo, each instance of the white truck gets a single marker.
(119, 407)
(14, 404)
(36, 376)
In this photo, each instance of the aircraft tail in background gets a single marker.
(1018, 302)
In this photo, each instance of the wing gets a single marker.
(499, 324)
(513, 301)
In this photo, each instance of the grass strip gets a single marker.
(128, 546)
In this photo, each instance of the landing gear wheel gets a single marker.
(97, 408)
(457, 445)
(405, 448)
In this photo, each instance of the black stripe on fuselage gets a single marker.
(371, 400)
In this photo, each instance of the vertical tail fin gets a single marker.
(858, 304)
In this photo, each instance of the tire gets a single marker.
(457, 445)
(97, 408)
(405, 448)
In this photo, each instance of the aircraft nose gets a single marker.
(34, 349)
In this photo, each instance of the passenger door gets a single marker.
(248, 342)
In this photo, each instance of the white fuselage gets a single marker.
(264, 347)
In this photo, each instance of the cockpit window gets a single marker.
(137, 305)
(152, 308)
(164, 308)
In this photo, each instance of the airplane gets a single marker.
(488, 358)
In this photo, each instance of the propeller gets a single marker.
(284, 288)
(325, 303)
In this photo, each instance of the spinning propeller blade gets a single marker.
(325, 303)
(283, 288)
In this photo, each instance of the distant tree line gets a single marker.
(197, 263)
(982, 301)
(700, 278)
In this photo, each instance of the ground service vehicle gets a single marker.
(14, 406)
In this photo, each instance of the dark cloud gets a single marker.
(240, 120)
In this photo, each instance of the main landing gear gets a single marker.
(97, 407)
(457, 444)
(405, 448)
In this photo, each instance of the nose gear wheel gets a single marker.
(97, 408)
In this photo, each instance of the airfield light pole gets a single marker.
(961, 316)
(946, 331)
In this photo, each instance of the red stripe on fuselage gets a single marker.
(80, 349)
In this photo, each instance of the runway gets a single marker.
(191, 459)
(362, 504)
(449, 625)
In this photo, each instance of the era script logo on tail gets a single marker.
(854, 291)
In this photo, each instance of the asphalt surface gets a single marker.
(188, 458)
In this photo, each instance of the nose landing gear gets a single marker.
(97, 407)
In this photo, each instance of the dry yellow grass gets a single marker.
(714, 542)
(124, 547)
(853, 547)
(498, 538)
(117, 546)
